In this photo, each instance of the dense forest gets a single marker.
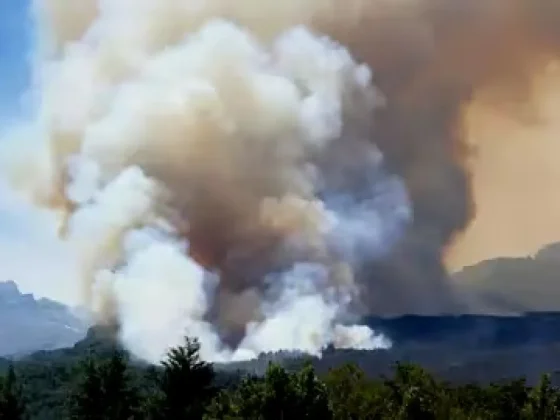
(96, 379)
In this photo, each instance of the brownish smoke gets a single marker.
(438, 61)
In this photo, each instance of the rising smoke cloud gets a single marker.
(453, 72)
(259, 174)
(201, 180)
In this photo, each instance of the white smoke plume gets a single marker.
(213, 171)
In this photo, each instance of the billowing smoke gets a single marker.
(213, 181)
(260, 174)
(456, 74)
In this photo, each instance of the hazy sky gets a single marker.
(29, 254)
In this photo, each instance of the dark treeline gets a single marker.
(104, 384)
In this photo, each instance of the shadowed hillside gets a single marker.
(467, 348)
(94, 379)
(514, 285)
(28, 324)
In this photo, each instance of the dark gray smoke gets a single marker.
(434, 60)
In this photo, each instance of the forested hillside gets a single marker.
(454, 349)
(425, 375)
(97, 380)
(460, 349)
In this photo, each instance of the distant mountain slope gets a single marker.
(478, 332)
(466, 348)
(28, 325)
(456, 348)
(513, 285)
(511, 347)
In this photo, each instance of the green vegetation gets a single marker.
(104, 384)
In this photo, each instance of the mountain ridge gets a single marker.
(28, 324)
(508, 285)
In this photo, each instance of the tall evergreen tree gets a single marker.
(86, 400)
(11, 400)
(185, 384)
(120, 397)
(105, 391)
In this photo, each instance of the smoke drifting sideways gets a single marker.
(261, 174)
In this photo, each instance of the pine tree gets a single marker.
(120, 398)
(11, 400)
(185, 385)
(86, 402)
(105, 391)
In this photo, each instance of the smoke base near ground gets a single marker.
(229, 170)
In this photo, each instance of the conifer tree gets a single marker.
(86, 402)
(105, 391)
(185, 385)
(11, 400)
(120, 397)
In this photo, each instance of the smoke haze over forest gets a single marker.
(229, 169)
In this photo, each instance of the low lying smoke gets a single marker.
(261, 174)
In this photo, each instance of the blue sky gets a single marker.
(29, 251)
(14, 77)
(15, 38)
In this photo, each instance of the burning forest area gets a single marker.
(264, 174)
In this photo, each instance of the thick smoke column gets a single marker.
(229, 169)
(214, 179)
(453, 71)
